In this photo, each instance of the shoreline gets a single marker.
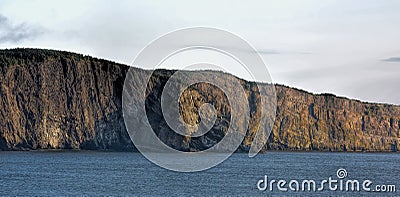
(261, 153)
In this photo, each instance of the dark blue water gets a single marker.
(112, 173)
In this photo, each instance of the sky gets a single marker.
(349, 48)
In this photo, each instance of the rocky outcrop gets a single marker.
(325, 122)
(60, 100)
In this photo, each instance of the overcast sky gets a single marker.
(349, 48)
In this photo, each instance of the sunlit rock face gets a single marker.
(61, 100)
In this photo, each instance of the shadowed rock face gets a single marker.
(60, 100)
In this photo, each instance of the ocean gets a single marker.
(91, 173)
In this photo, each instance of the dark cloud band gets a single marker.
(392, 59)
(14, 33)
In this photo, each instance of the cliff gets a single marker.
(60, 100)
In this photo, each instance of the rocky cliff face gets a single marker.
(326, 122)
(60, 100)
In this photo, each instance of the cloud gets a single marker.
(276, 52)
(15, 33)
(392, 59)
(279, 52)
(268, 52)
